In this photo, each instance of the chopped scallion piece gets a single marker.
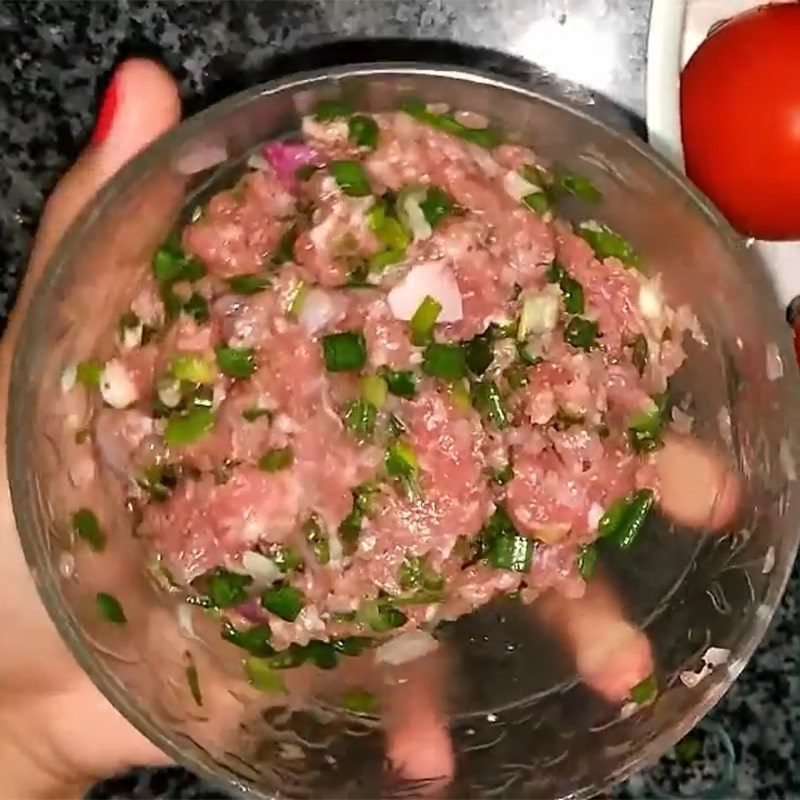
(286, 558)
(248, 284)
(327, 110)
(193, 680)
(359, 418)
(573, 295)
(537, 201)
(110, 609)
(484, 137)
(488, 400)
(401, 462)
(416, 573)
(640, 353)
(581, 332)
(197, 308)
(344, 352)
(479, 353)
(359, 701)
(262, 676)
(436, 205)
(284, 601)
(225, 589)
(296, 299)
(318, 540)
(255, 640)
(424, 320)
(170, 264)
(88, 373)
(401, 383)
(645, 691)
(285, 249)
(189, 427)
(380, 616)
(644, 430)
(276, 459)
(516, 376)
(350, 178)
(623, 521)
(236, 362)
(461, 394)
(578, 185)
(363, 131)
(86, 526)
(194, 369)
(374, 390)
(586, 560)
(607, 243)
(502, 476)
(503, 546)
(447, 361)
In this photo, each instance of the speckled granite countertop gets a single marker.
(54, 58)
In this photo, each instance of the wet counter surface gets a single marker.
(54, 59)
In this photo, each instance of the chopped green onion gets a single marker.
(296, 299)
(374, 390)
(359, 418)
(644, 430)
(276, 459)
(363, 131)
(235, 362)
(447, 361)
(253, 413)
(293, 656)
(262, 676)
(401, 383)
(344, 352)
(225, 588)
(529, 352)
(401, 463)
(436, 205)
(533, 175)
(555, 273)
(248, 284)
(537, 201)
(286, 558)
(194, 369)
(516, 376)
(305, 171)
(479, 353)
(320, 654)
(645, 691)
(197, 308)
(350, 178)
(352, 645)
(395, 427)
(573, 295)
(173, 305)
(318, 540)
(350, 529)
(503, 475)
(284, 601)
(484, 137)
(503, 546)
(86, 526)
(416, 573)
(327, 110)
(88, 373)
(488, 400)
(190, 427)
(158, 481)
(380, 616)
(359, 701)
(586, 560)
(379, 261)
(581, 332)
(193, 680)
(255, 640)
(624, 518)
(607, 243)
(579, 186)
(640, 353)
(170, 265)
(285, 250)
(424, 320)
(461, 394)
(110, 609)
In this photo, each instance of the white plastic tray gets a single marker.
(677, 28)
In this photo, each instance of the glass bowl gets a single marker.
(521, 724)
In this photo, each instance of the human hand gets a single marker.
(57, 732)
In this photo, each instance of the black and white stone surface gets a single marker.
(54, 60)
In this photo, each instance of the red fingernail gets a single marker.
(108, 108)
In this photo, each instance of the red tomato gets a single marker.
(740, 112)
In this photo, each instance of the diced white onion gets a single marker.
(335, 548)
(318, 310)
(406, 647)
(264, 571)
(116, 385)
(132, 336)
(539, 314)
(68, 377)
(435, 280)
(774, 362)
(594, 516)
(713, 657)
(169, 392)
(650, 303)
(420, 229)
(517, 187)
(681, 421)
(200, 156)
